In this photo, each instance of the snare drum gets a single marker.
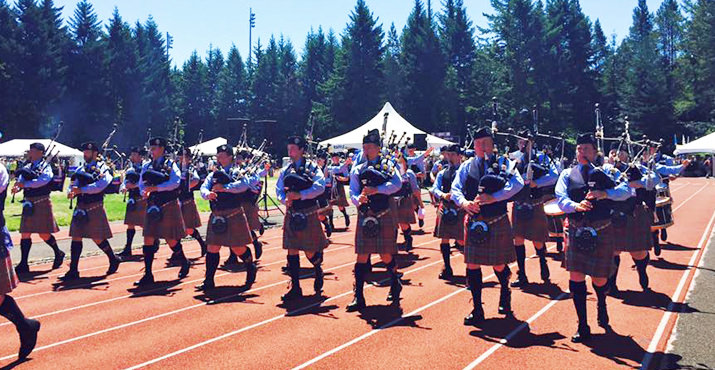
(663, 214)
(555, 217)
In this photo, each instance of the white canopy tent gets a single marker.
(705, 144)
(208, 148)
(395, 122)
(18, 147)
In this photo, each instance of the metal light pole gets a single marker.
(251, 26)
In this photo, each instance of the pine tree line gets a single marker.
(436, 71)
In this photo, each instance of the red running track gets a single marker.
(107, 323)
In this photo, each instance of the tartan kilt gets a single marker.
(600, 262)
(8, 280)
(237, 232)
(537, 228)
(97, 225)
(324, 208)
(446, 231)
(250, 210)
(498, 250)
(171, 225)
(190, 214)
(136, 216)
(386, 242)
(405, 210)
(312, 238)
(636, 235)
(42, 220)
(340, 200)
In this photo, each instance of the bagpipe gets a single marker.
(374, 176)
(28, 173)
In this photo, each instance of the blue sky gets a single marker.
(198, 25)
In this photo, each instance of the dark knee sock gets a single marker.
(52, 242)
(503, 277)
(614, 277)
(179, 250)
(212, 260)
(10, 310)
(25, 245)
(578, 292)
(253, 235)
(247, 256)
(345, 212)
(360, 272)
(601, 293)
(445, 249)
(294, 270)
(75, 254)
(521, 258)
(130, 237)
(642, 265)
(317, 259)
(539, 252)
(197, 235)
(107, 249)
(392, 270)
(149, 251)
(407, 232)
(474, 281)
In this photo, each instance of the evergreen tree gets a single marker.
(10, 69)
(699, 75)
(393, 89)
(194, 97)
(233, 92)
(214, 67)
(155, 109)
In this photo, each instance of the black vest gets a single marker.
(471, 190)
(448, 178)
(226, 200)
(135, 193)
(185, 191)
(97, 172)
(376, 202)
(305, 171)
(42, 190)
(162, 197)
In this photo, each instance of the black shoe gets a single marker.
(28, 338)
(284, 268)
(174, 259)
(185, 266)
(459, 247)
(505, 302)
(521, 281)
(663, 234)
(446, 274)
(408, 244)
(258, 246)
(582, 335)
(126, 253)
(347, 221)
(59, 258)
(293, 294)
(22, 268)
(421, 222)
(206, 285)
(231, 261)
(357, 304)
(261, 230)
(328, 229)
(70, 275)
(644, 281)
(545, 273)
(113, 266)
(603, 317)
(251, 271)
(319, 280)
(656, 244)
(145, 280)
(395, 289)
(475, 317)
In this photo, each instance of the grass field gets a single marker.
(113, 204)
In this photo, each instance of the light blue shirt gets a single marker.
(571, 178)
(169, 185)
(333, 170)
(4, 178)
(390, 187)
(512, 187)
(437, 187)
(236, 187)
(418, 160)
(42, 180)
(311, 193)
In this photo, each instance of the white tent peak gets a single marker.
(208, 148)
(395, 123)
(18, 147)
(705, 144)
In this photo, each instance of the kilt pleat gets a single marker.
(598, 263)
(190, 214)
(446, 231)
(42, 220)
(636, 235)
(250, 210)
(136, 216)
(386, 242)
(339, 198)
(534, 229)
(237, 232)
(171, 225)
(497, 250)
(312, 238)
(8, 279)
(96, 226)
(405, 210)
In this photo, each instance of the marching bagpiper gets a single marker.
(299, 186)
(338, 175)
(136, 205)
(450, 216)
(405, 199)
(89, 219)
(482, 187)
(372, 185)
(325, 214)
(529, 221)
(34, 179)
(189, 212)
(26, 328)
(225, 188)
(159, 184)
(417, 164)
(583, 192)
